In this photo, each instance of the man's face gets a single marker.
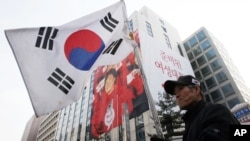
(109, 84)
(186, 96)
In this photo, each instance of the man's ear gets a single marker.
(198, 90)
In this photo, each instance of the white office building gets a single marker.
(220, 80)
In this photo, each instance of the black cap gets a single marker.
(169, 85)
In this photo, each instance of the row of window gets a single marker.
(206, 70)
(231, 103)
(73, 119)
(167, 41)
(48, 137)
(82, 107)
(220, 77)
(199, 37)
(199, 49)
(203, 46)
(226, 91)
(203, 59)
(150, 33)
(215, 80)
(149, 29)
(52, 118)
(47, 133)
(89, 112)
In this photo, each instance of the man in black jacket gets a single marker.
(203, 121)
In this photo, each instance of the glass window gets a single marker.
(206, 71)
(161, 21)
(197, 51)
(139, 120)
(198, 75)
(205, 45)
(216, 95)
(130, 25)
(81, 119)
(149, 29)
(201, 35)
(211, 82)
(192, 41)
(190, 55)
(164, 29)
(215, 65)
(210, 54)
(201, 60)
(186, 46)
(167, 41)
(233, 102)
(221, 76)
(227, 90)
(194, 66)
(66, 135)
(179, 47)
(140, 134)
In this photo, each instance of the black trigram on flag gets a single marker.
(112, 48)
(61, 80)
(109, 23)
(45, 37)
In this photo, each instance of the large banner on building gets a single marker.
(113, 86)
(160, 63)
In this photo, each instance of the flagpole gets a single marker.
(117, 115)
(149, 96)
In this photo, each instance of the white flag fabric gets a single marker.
(55, 61)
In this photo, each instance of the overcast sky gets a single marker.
(228, 20)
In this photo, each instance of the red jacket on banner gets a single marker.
(107, 104)
(115, 85)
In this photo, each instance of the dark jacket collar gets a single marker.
(193, 111)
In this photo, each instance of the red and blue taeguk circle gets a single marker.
(82, 48)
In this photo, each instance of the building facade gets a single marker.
(75, 122)
(220, 82)
(146, 22)
(31, 130)
(220, 79)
